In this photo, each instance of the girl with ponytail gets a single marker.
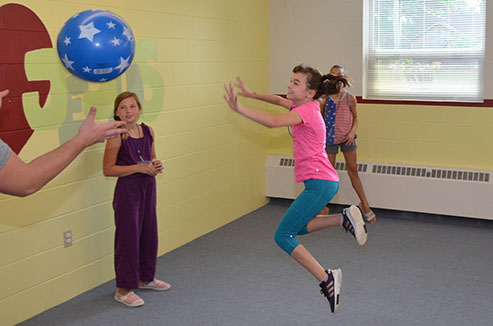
(312, 167)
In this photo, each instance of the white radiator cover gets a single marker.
(435, 190)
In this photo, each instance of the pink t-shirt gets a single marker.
(310, 158)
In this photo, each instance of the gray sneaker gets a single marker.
(354, 224)
(331, 289)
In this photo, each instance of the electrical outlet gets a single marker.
(67, 238)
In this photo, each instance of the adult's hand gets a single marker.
(91, 132)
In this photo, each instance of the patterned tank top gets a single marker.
(338, 119)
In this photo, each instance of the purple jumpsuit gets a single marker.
(134, 202)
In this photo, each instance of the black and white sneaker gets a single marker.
(331, 289)
(354, 224)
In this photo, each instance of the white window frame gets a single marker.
(394, 81)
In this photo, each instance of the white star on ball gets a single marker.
(86, 69)
(127, 33)
(115, 41)
(67, 62)
(67, 40)
(111, 25)
(88, 31)
(123, 64)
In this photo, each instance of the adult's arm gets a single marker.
(22, 179)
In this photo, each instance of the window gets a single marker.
(429, 50)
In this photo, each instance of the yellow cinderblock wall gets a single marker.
(448, 136)
(429, 135)
(213, 158)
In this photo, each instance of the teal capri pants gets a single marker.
(309, 203)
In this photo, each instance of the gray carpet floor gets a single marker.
(415, 269)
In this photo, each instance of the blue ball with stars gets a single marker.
(96, 45)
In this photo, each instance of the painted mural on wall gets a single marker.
(43, 95)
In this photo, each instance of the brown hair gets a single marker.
(333, 84)
(313, 76)
(348, 78)
(322, 84)
(118, 100)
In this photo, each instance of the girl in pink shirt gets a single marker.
(312, 167)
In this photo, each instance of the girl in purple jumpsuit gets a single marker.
(132, 158)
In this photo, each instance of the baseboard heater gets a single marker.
(426, 189)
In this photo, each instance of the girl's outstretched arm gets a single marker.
(269, 98)
(264, 118)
